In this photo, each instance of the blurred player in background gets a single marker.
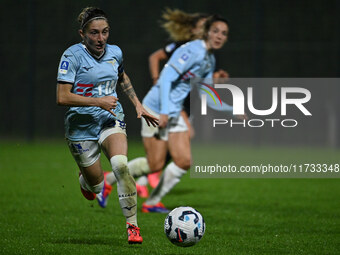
(165, 99)
(182, 27)
(87, 77)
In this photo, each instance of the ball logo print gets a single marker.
(184, 226)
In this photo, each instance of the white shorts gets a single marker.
(174, 125)
(119, 128)
(86, 153)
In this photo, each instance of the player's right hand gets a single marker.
(163, 120)
(108, 103)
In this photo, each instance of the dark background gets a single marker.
(267, 39)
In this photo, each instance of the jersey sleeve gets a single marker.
(183, 59)
(167, 77)
(119, 55)
(121, 68)
(170, 48)
(68, 66)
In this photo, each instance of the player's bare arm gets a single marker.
(154, 61)
(128, 89)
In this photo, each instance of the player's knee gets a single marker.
(156, 165)
(96, 188)
(183, 162)
(119, 164)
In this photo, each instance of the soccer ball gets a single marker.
(184, 226)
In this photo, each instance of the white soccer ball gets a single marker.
(184, 226)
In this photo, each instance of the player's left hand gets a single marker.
(150, 119)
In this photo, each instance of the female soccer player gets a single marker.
(165, 100)
(182, 27)
(87, 77)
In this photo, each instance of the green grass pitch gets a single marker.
(43, 212)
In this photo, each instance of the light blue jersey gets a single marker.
(90, 77)
(190, 60)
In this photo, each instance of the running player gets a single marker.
(165, 100)
(182, 27)
(87, 77)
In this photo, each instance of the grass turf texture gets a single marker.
(43, 211)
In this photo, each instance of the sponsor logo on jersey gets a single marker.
(183, 58)
(64, 67)
(84, 89)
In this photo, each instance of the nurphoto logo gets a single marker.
(244, 104)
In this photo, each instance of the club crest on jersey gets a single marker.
(183, 58)
(64, 67)
(112, 62)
